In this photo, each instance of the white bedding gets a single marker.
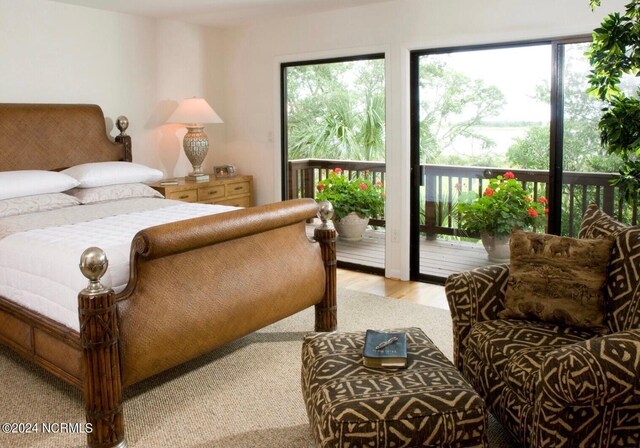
(39, 266)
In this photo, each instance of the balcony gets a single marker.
(444, 248)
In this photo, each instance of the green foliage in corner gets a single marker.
(615, 51)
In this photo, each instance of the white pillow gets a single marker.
(99, 174)
(16, 184)
(113, 192)
(36, 203)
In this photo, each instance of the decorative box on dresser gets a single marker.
(236, 191)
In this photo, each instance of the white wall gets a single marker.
(253, 54)
(129, 65)
(187, 65)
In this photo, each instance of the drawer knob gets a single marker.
(238, 188)
(184, 196)
(213, 192)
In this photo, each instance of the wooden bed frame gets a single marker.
(194, 285)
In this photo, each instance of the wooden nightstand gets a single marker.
(236, 191)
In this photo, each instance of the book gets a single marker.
(385, 349)
(171, 181)
(197, 178)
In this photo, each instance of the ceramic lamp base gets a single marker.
(196, 146)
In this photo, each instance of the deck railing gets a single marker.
(443, 183)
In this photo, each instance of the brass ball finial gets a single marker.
(122, 123)
(325, 213)
(93, 265)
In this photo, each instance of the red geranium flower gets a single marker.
(546, 211)
(543, 200)
(351, 194)
(504, 204)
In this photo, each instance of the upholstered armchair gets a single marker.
(554, 385)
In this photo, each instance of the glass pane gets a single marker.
(587, 166)
(336, 127)
(482, 113)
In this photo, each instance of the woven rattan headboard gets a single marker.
(56, 136)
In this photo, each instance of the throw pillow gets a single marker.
(623, 285)
(597, 224)
(557, 279)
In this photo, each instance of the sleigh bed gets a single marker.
(193, 285)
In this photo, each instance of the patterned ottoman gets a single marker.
(428, 404)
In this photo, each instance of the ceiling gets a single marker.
(219, 13)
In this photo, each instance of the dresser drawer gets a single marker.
(238, 188)
(210, 193)
(184, 195)
(230, 191)
(244, 201)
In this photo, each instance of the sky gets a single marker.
(516, 71)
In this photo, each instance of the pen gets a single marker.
(390, 341)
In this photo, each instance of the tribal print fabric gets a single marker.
(552, 385)
(428, 404)
(623, 284)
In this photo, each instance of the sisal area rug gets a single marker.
(244, 395)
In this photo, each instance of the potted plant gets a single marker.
(503, 206)
(354, 201)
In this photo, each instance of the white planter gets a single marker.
(497, 247)
(351, 227)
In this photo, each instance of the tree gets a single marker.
(582, 150)
(336, 111)
(614, 52)
(452, 105)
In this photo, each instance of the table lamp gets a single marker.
(193, 113)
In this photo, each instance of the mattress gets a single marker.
(39, 257)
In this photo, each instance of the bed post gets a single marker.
(102, 383)
(325, 235)
(122, 123)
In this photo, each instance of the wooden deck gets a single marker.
(438, 258)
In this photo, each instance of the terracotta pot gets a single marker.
(497, 247)
(351, 227)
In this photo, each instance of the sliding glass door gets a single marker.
(333, 126)
(480, 112)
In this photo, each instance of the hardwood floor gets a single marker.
(439, 258)
(414, 292)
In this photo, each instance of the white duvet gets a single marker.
(39, 266)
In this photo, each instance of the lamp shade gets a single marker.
(194, 110)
